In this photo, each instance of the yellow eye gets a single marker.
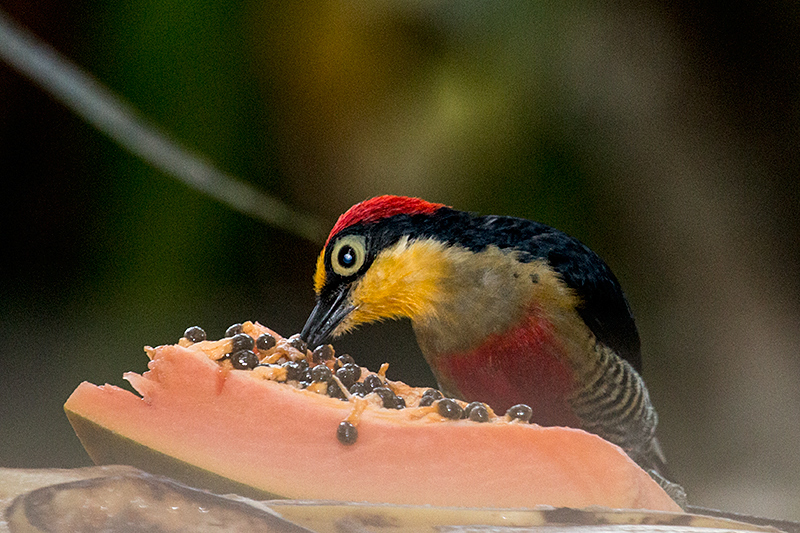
(348, 255)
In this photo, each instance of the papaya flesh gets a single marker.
(256, 433)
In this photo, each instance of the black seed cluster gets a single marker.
(320, 373)
(343, 360)
(349, 374)
(520, 412)
(323, 367)
(297, 370)
(477, 412)
(389, 398)
(242, 356)
(429, 396)
(358, 389)
(370, 383)
(195, 334)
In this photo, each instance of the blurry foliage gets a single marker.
(665, 135)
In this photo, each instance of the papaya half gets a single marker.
(277, 424)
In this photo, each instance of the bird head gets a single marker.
(373, 267)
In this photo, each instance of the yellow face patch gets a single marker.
(319, 274)
(404, 281)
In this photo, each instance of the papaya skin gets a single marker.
(106, 447)
(230, 431)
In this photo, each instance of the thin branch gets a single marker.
(106, 111)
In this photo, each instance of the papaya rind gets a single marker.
(107, 447)
(328, 516)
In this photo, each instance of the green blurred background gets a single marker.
(666, 135)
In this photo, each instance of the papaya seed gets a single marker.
(358, 389)
(355, 368)
(429, 396)
(242, 341)
(293, 370)
(372, 382)
(265, 342)
(297, 343)
(449, 408)
(321, 373)
(344, 360)
(348, 375)
(469, 407)
(334, 391)
(322, 353)
(244, 360)
(426, 401)
(347, 433)
(195, 334)
(388, 397)
(233, 330)
(478, 413)
(520, 412)
(433, 393)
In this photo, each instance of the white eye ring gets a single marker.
(348, 254)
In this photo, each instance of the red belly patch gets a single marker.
(526, 365)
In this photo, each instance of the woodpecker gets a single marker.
(505, 311)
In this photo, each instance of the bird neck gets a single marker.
(484, 295)
(505, 331)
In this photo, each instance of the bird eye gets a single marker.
(348, 255)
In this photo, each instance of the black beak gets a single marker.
(327, 314)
